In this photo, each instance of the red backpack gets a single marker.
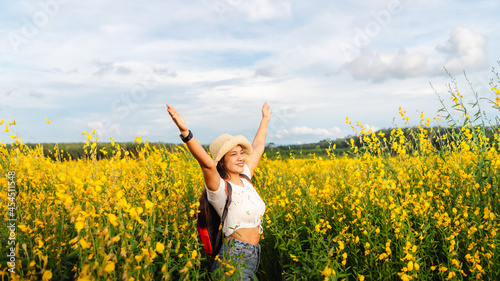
(209, 223)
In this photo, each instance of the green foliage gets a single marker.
(75, 151)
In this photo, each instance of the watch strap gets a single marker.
(188, 137)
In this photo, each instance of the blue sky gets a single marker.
(113, 65)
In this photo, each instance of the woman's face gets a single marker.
(234, 160)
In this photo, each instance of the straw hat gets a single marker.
(223, 144)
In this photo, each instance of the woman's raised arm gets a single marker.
(259, 142)
(210, 174)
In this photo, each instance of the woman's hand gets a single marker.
(266, 114)
(210, 174)
(178, 119)
(259, 142)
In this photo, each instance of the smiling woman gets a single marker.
(236, 149)
(233, 160)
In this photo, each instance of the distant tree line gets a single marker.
(343, 145)
(73, 151)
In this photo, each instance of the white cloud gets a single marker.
(381, 66)
(258, 10)
(106, 129)
(97, 126)
(465, 50)
(301, 131)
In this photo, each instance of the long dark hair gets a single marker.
(223, 172)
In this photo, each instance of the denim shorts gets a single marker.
(237, 260)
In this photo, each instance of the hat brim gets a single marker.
(233, 142)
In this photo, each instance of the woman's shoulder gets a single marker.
(246, 171)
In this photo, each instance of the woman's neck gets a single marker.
(235, 179)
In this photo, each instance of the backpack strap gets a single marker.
(229, 191)
(246, 177)
(220, 235)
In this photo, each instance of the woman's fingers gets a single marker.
(265, 110)
(177, 118)
(171, 110)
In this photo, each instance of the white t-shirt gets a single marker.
(246, 209)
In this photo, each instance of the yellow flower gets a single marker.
(72, 241)
(405, 277)
(160, 247)
(84, 244)
(341, 245)
(48, 121)
(47, 275)
(112, 219)
(149, 204)
(410, 265)
(194, 254)
(327, 271)
(110, 267)
(79, 225)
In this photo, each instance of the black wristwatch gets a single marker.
(189, 136)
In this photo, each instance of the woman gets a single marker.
(233, 156)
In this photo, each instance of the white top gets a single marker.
(246, 209)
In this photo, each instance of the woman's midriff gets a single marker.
(249, 235)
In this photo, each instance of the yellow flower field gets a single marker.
(419, 214)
